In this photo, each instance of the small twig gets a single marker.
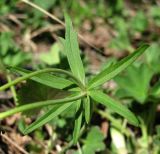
(45, 29)
(59, 21)
(15, 20)
(12, 88)
(14, 143)
(44, 11)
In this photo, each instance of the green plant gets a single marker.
(139, 87)
(79, 92)
(94, 141)
(10, 53)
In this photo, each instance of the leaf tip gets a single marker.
(135, 122)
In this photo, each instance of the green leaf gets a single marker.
(94, 141)
(115, 69)
(121, 42)
(155, 14)
(45, 78)
(6, 42)
(72, 51)
(139, 22)
(55, 111)
(17, 59)
(35, 92)
(78, 122)
(87, 109)
(152, 57)
(155, 91)
(51, 57)
(135, 82)
(104, 99)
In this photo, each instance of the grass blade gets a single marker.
(115, 69)
(104, 99)
(78, 122)
(87, 109)
(72, 51)
(45, 78)
(55, 111)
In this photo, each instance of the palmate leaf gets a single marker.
(45, 78)
(115, 69)
(78, 122)
(72, 51)
(135, 82)
(104, 99)
(94, 141)
(55, 111)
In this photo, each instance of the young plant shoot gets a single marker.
(82, 95)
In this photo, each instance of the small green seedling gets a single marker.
(79, 95)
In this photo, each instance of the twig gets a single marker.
(59, 21)
(46, 29)
(14, 143)
(44, 11)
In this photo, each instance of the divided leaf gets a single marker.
(135, 82)
(94, 141)
(72, 51)
(115, 69)
(104, 99)
(45, 78)
(55, 111)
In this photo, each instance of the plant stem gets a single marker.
(71, 143)
(44, 11)
(12, 89)
(114, 121)
(40, 104)
(54, 70)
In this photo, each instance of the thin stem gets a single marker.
(71, 143)
(115, 123)
(40, 104)
(54, 70)
(12, 89)
(44, 11)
